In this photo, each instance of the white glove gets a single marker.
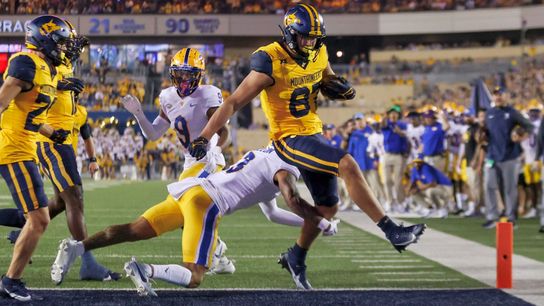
(131, 104)
(332, 229)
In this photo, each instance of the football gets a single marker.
(336, 88)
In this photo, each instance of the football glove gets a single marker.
(198, 148)
(59, 136)
(131, 104)
(336, 88)
(71, 84)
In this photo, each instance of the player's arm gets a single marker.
(281, 216)
(10, 89)
(86, 134)
(151, 131)
(250, 87)
(287, 184)
(223, 131)
(258, 79)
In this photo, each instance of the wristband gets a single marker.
(92, 160)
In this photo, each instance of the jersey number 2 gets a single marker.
(183, 132)
(31, 126)
(296, 101)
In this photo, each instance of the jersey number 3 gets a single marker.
(183, 132)
(297, 101)
(241, 164)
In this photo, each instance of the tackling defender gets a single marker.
(186, 107)
(290, 74)
(197, 205)
(29, 89)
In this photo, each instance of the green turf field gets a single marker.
(527, 240)
(352, 259)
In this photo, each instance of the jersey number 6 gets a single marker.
(303, 101)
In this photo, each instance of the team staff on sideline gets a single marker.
(290, 74)
(502, 164)
(29, 89)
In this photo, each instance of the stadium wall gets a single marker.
(502, 19)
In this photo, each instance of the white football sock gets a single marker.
(174, 274)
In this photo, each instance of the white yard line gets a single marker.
(468, 257)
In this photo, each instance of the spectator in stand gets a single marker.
(502, 163)
(396, 150)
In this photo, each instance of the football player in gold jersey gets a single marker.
(29, 89)
(289, 75)
(59, 162)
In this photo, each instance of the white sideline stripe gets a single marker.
(386, 260)
(397, 267)
(254, 289)
(5, 197)
(408, 273)
(5, 204)
(420, 280)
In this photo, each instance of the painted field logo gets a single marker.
(208, 25)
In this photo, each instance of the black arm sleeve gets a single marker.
(261, 62)
(23, 68)
(85, 131)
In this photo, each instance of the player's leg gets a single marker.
(200, 225)
(26, 187)
(159, 219)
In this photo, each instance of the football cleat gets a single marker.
(136, 272)
(223, 266)
(401, 237)
(220, 250)
(15, 288)
(13, 236)
(298, 272)
(64, 260)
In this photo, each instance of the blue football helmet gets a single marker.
(49, 35)
(76, 44)
(303, 20)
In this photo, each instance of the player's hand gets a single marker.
(131, 104)
(198, 148)
(332, 229)
(59, 136)
(93, 168)
(71, 84)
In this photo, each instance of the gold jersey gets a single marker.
(24, 115)
(62, 112)
(290, 103)
(80, 119)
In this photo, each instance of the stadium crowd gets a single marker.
(73, 7)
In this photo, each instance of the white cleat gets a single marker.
(224, 266)
(220, 250)
(136, 272)
(64, 260)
